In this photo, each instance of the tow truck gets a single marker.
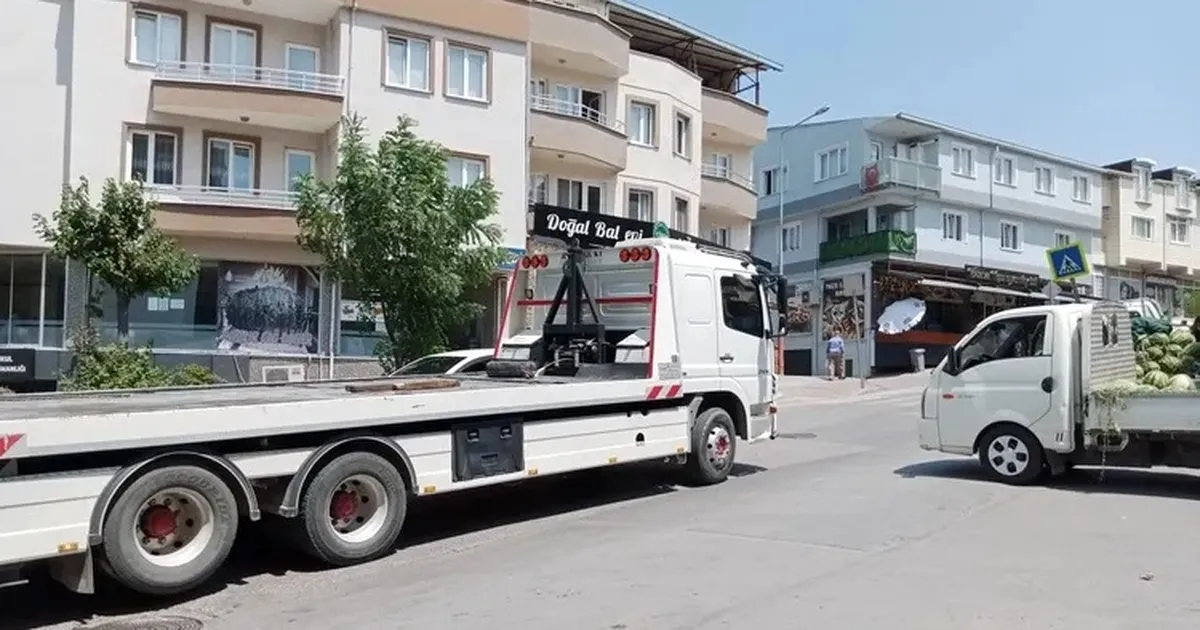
(654, 349)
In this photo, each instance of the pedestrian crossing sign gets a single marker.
(1068, 262)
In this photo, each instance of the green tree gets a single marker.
(118, 242)
(391, 225)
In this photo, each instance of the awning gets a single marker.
(1000, 291)
(946, 284)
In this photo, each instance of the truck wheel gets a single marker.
(1012, 454)
(352, 510)
(170, 530)
(713, 445)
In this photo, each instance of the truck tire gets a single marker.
(169, 530)
(352, 510)
(1012, 454)
(714, 443)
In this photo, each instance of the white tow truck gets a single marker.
(1030, 391)
(655, 349)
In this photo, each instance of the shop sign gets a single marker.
(16, 364)
(1004, 277)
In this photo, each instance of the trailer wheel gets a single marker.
(1012, 454)
(170, 530)
(352, 510)
(713, 447)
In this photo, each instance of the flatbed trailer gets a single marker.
(152, 485)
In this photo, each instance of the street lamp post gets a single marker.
(779, 179)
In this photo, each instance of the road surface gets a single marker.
(841, 523)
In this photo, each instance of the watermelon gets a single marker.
(1157, 378)
(1151, 366)
(1139, 371)
(1193, 350)
(1182, 337)
(1179, 383)
(1170, 364)
(1143, 388)
(1159, 339)
(1174, 350)
(1155, 352)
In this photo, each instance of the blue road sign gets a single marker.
(513, 255)
(1068, 262)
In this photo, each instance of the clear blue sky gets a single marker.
(1092, 80)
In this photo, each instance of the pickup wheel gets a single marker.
(1013, 455)
(352, 510)
(169, 530)
(713, 445)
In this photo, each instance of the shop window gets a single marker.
(25, 313)
(184, 320)
(361, 327)
(6, 286)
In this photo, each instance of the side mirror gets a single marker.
(782, 329)
(952, 361)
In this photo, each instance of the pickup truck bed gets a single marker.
(1159, 413)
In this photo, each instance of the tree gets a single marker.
(392, 226)
(118, 242)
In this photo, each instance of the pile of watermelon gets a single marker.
(1166, 361)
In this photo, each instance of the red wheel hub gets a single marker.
(343, 505)
(158, 522)
(722, 446)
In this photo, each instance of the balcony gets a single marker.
(727, 192)
(568, 133)
(250, 214)
(310, 11)
(894, 172)
(267, 97)
(869, 244)
(577, 38)
(731, 120)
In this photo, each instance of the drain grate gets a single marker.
(149, 623)
(795, 436)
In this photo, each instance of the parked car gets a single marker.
(453, 362)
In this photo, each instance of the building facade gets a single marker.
(909, 207)
(219, 106)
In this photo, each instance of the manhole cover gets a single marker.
(795, 436)
(149, 623)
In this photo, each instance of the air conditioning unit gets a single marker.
(283, 373)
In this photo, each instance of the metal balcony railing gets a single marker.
(892, 171)
(276, 78)
(721, 171)
(553, 105)
(215, 196)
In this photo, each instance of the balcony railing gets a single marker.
(869, 244)
(211, 196)
(891, 171)
(721, 171)
(550, 104)
(275, 78)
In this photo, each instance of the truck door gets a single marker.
(1004, 372)
(745, 358)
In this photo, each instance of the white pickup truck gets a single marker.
(1030, 391)
(656, 349)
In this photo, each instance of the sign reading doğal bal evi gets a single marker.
(16, 365)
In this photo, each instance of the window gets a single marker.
(680, 219)
(466, 72)
(579, 195)
(154, 157)
(741, 306)
(302, 63)
(157, 37)
(570, 100)
(1004, 170)
(720, 236)
(1183, 193)
(720, 165)
(1179, 230)
(1043, 180)
(875, 152)
(963, 161)
(233, 52)
(642, 125)
(539, 185)
(1141, 185)
(407, 63)
(831, 163)
(1081, 189)
(1062, 239)
(1016, 338)
(230, 164)
(683, 135)
(1010, 236)
(463, 171)
(1143, 228)
(791, 238)
(953, 228)
(770, 181)
(298, 164)
(640, 205)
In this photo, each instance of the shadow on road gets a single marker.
(1150, 483)
(261, 550)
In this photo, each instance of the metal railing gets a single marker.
(216, 196)
(599, 7)
(276, 78)
(721, 171)
(553, 105)
(892, 171)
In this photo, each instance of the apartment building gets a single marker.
(911, 207)
(219, 105)
(1149, 248)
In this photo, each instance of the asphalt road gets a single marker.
(841, 523)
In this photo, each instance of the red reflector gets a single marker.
(526, 262)
(647, 253)
(624, 255)
(544, 260)
(773, 409)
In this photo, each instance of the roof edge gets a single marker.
(767, 64)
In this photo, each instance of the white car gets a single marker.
(453, 362)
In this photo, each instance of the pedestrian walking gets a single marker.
(835, 357)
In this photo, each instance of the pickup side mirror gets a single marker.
(952, 361)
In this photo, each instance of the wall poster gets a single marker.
(839, 311)
(267, 308)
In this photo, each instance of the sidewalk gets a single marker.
(816, 388)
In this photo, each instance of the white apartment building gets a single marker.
(219, 104)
